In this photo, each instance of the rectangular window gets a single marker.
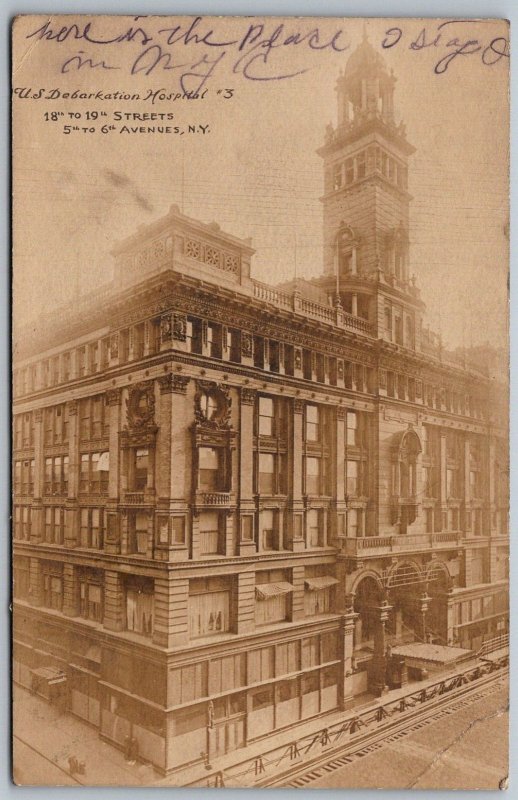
(337, 176)
(26, 523)
(360, 165)
(141, 468)
(349, 170)
(266, 473)
(234, 345)
(352, 522)
(91, 528)
(352, 429)
(209, 607)
(312, 423)
(352, 478)
(208, 469)
(48, 476)
(214, 339)
(268, 532)
(312, 475)
(273, 356)
(17, 476)
(287, 658)
(18, 431)
(90, 598)
(314, 538)
(209, 533)
(266, 416)
(310, 652)
(139, 608)
(194, 335)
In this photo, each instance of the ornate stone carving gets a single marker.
(113, 397)
(247, 344)
(38, 413)
(166, 328)
(173, 383)
(298, 406)
(248, 396)
(297, 359)
(180, 327)
(341, 413)
(140, 405)
(114, 345)
(340, 369)
(212, 405)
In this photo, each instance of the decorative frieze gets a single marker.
(180, 327)
(298, 406)
(213, 256)
(173, 383)
(247, 345)
(113, 397)
(248, 396)
(166, 328)
(114, 345)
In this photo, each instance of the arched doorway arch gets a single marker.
(406, 586)
(406, 448)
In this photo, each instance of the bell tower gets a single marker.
(366, 202)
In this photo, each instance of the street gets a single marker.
(467, 749)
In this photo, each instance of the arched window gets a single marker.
(346, 251)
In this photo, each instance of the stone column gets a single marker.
(339, 527)
(35, 583)
(297, 597)
(346, 644)
(297, 505)
(170, 622)
(172, 468)
(467, 486)
(71, 597)
(244, 602)
(442, 477)
(112, 538)
(354, 304)
(423, 605)
(378, 671)
(37, 520)
(71, 507)
(246, 505)
(114, 601)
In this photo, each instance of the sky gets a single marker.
(258, 174)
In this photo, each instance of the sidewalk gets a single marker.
(59, 736)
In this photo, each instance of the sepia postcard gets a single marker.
(260, 402)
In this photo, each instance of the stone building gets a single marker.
(228, 497)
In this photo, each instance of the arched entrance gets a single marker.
(438, 583)
(406, 589)
(368, 596)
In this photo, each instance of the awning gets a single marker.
(265, 590)
(314, 584)
(50, 675)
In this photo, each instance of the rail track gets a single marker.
(358, 735)
(307, 774)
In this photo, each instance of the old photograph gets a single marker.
(260, 470)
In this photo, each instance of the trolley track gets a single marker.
(303, 774)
